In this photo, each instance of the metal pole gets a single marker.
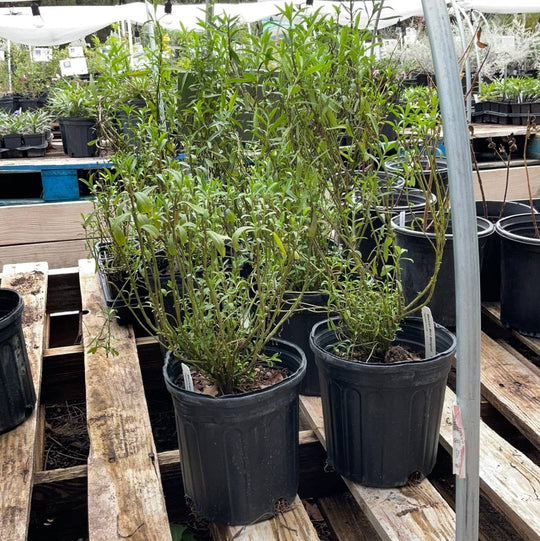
(456, 141)
(10, 82)
(457, 14)
(130, 41)
(150, 22)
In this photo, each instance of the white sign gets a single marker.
(41, 54)
(410, 36)
(389, 44)
(73, 66)
(2, 55)
(75, 52)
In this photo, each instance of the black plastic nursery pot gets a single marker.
(520, 261)
(424, 166)
(296, 329)
(490, 270)
(10, 103)
(382, 420)
(35, 144)
(77, 133)
(417, 265)
(12, 142)
(392, 202)
(130, 120)
(239, 453)
(17, 396)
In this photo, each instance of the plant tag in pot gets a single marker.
(188, 380)
(429, 333)
(402, 218)
(458, 443)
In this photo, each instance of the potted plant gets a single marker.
(11, 127)
(238, 424)
(125, 94)
(74, 104)
(36, 125)
(17, 399)
(520, 248)
(373, 367)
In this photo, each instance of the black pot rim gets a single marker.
(504, 224)
(15, 310)
(76, 118)
(440, 161)
(407, 192)
(291, 380)
(341, 362)
(484, 228)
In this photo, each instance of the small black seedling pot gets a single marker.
(77, 134)
(382, 420)
(17, 396)
(12, 142)
(490, 270)
(520, 261)
(35, 145)
(418, 265)
(239, 453)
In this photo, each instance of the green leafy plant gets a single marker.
(72, 99)
(34, 121)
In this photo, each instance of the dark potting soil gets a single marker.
(265, 376)
(66, 435)
(394, 354)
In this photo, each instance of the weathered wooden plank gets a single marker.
(519, 356)
(125, 496)
(512, 388)
(345, 518)
(17, 447)
(495, 130)
(291, 525)
(494, 181)
(47, 222)
(493, 310)
(408, 513)
(56, 254)
(508, 479)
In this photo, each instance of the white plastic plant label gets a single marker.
(458, 447)
(402, 218)
(41, 54)
(188, 380)
(73, 66)
(75, 52)
(429, 333)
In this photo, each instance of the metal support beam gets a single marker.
(466, 261)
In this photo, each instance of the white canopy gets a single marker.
(502, 6)
(63, 24)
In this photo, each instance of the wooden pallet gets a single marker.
(52, 232)
(126, 489)
(59, 174)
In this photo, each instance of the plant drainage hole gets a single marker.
(415, 478)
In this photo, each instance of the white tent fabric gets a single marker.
(502, 6)
(63, 24)
(392, 12)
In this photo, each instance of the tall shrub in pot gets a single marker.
(218, 315)
(382, 391)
